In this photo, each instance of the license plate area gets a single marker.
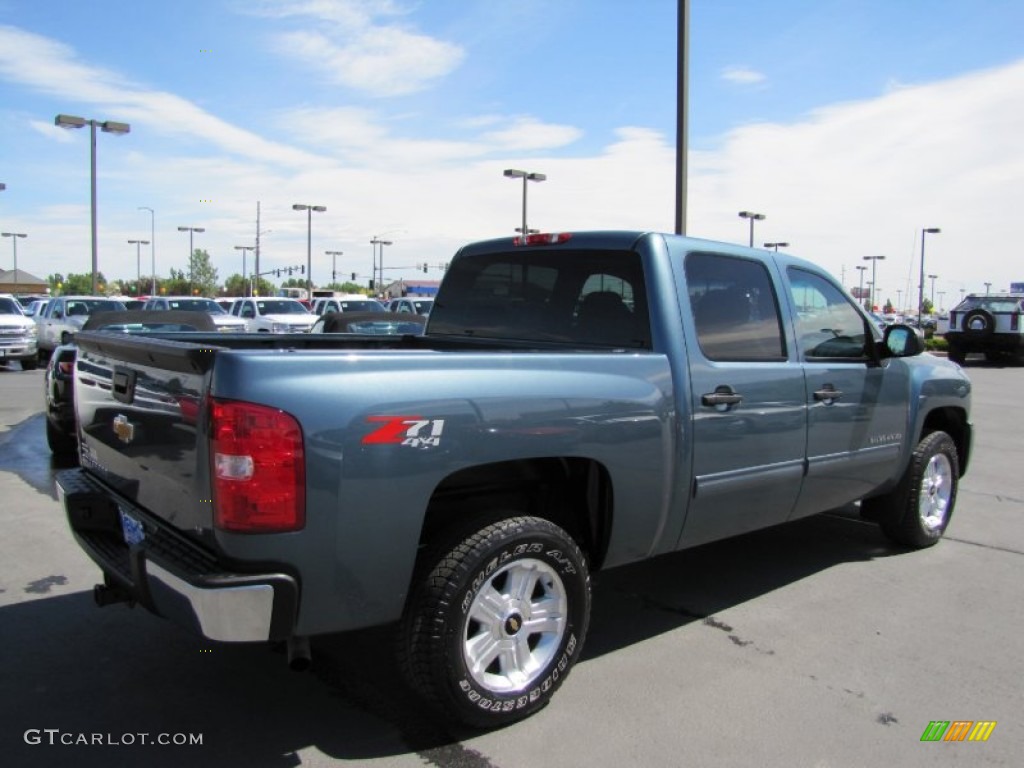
(131, 529)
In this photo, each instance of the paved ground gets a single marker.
(812, 644)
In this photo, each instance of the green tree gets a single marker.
(204, 275)
(75, 285)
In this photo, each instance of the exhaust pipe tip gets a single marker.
(300, 656)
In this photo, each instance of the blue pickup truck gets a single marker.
(579, 401)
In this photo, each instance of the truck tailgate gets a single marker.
(138, 404)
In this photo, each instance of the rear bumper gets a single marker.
(171, 575)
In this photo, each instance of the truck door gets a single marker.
(749, 419)
(857, 407)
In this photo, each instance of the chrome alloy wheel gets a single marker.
(935, 492)
(514, 625)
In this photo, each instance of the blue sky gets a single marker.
(851, 125)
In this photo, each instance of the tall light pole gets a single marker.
(107, 126)
(920, 284)
(987, 287)
(874, 263)
(932, 278)
(152, 248)
(899, 300)
(776, 246)
(191, 252)
(860, 288)
(334, 263)
(526, 176)
(753, 217)
(375, 242)
(138, 264)
(14, 240)
(244, 249)
(309, 242)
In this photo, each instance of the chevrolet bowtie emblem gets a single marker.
(123, 428)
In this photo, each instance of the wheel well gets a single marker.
(952, 421)
(573, 493)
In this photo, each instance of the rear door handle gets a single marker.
(723, 395)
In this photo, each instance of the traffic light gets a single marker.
(424, 268)
(353, 275)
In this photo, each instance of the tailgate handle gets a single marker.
(123, 385)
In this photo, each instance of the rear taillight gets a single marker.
(258, 466)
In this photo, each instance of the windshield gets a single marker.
(196, 305)
(89, 306)
(9, 307)
(362, 306)
(281, 307)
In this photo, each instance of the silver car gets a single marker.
(64, 316)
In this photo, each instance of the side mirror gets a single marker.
(902, 341)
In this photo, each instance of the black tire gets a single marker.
(29, 363)
(978, 323)
(956, 355)
(917, 512)
(480, 599)
(61, 443)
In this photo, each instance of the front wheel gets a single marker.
(916, 513)
(497, 622)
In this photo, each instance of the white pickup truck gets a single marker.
(273, 315)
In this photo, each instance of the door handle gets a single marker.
(723, 395)
(827, 394)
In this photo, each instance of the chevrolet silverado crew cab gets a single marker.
(579, 401)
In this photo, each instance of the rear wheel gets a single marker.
(61, 443)
(497, 622)
(29, 363)
(916, 513)
(956, 354)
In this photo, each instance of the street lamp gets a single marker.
(932, 278)
(860, 286)
(152, 249)
(987, 286)
(14, 241)
(138, 264)
(107, 126)
(334, 263)
(191, 251)
(512, 173)
(309, 242)
(244, 249)
(920, 284)
(375, 242)
(753, 217)
(776, 246)
(874, 263)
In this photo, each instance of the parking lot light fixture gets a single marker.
(107, 126)
(874, 263)
(152, 248)
(138, 264)
(14, 241)
(334, 264)
(776, 246)
(920, 284)
(309, 242)
(860, 287)
(526, 176)
(245, 250)
(752, 217)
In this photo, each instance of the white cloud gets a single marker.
(349, 46)
(743, 76)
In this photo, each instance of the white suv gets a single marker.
(991, 323)
(18, 334)
(225, 323)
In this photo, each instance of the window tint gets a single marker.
(735, 310)
(576, 296)
(827, 323)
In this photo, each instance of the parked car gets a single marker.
(273, 315)
(353, 303)
(35, 308)
(18, 334)
(416, 305)
(224, 322)
(991, 323)
(372, 323)
(65, 315)
(58, 382)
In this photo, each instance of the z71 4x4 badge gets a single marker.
(414, 431)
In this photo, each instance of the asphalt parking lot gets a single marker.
(811, 644)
